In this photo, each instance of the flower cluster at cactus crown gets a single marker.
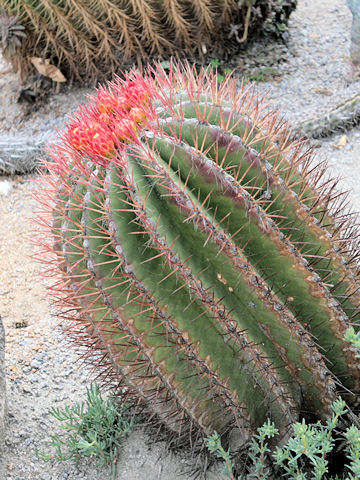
(204, 262)
(117, 113)
(114, 117)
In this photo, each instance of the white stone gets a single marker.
(5, 187)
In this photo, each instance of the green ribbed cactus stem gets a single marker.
(200, 258)
(342, 117)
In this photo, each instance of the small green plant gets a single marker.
(11, 33)
(214, 63)
(165, 65)
(221, 72)
(94, 427)
(354, 338)
(213, 443)
(352, 436)
(259, 450)
(304, 457)
(313, 442)
(265, 74)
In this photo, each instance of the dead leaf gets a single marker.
(342, 142)
(323, 91)
(314, 36)
(44, 67)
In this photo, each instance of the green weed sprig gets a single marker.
(213, 443)
(94, 429)
(312, 442)
(259, 450)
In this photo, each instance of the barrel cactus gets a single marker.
(89, 40)
(202, 260)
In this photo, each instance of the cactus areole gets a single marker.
(204, 262)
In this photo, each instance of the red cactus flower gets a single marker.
(108, 103)
(101, 143)
(136, 93)
(138, 115)
(124, 129)
(114, 118)
(94, 139)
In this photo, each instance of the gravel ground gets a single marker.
(317, 76)
(21, 119)
(41, 370)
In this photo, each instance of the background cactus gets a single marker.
(341, 118)
(92, 39)
(206, 263)
(11, 34)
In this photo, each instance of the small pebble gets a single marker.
(5, 188)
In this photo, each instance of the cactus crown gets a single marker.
(205, 262)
